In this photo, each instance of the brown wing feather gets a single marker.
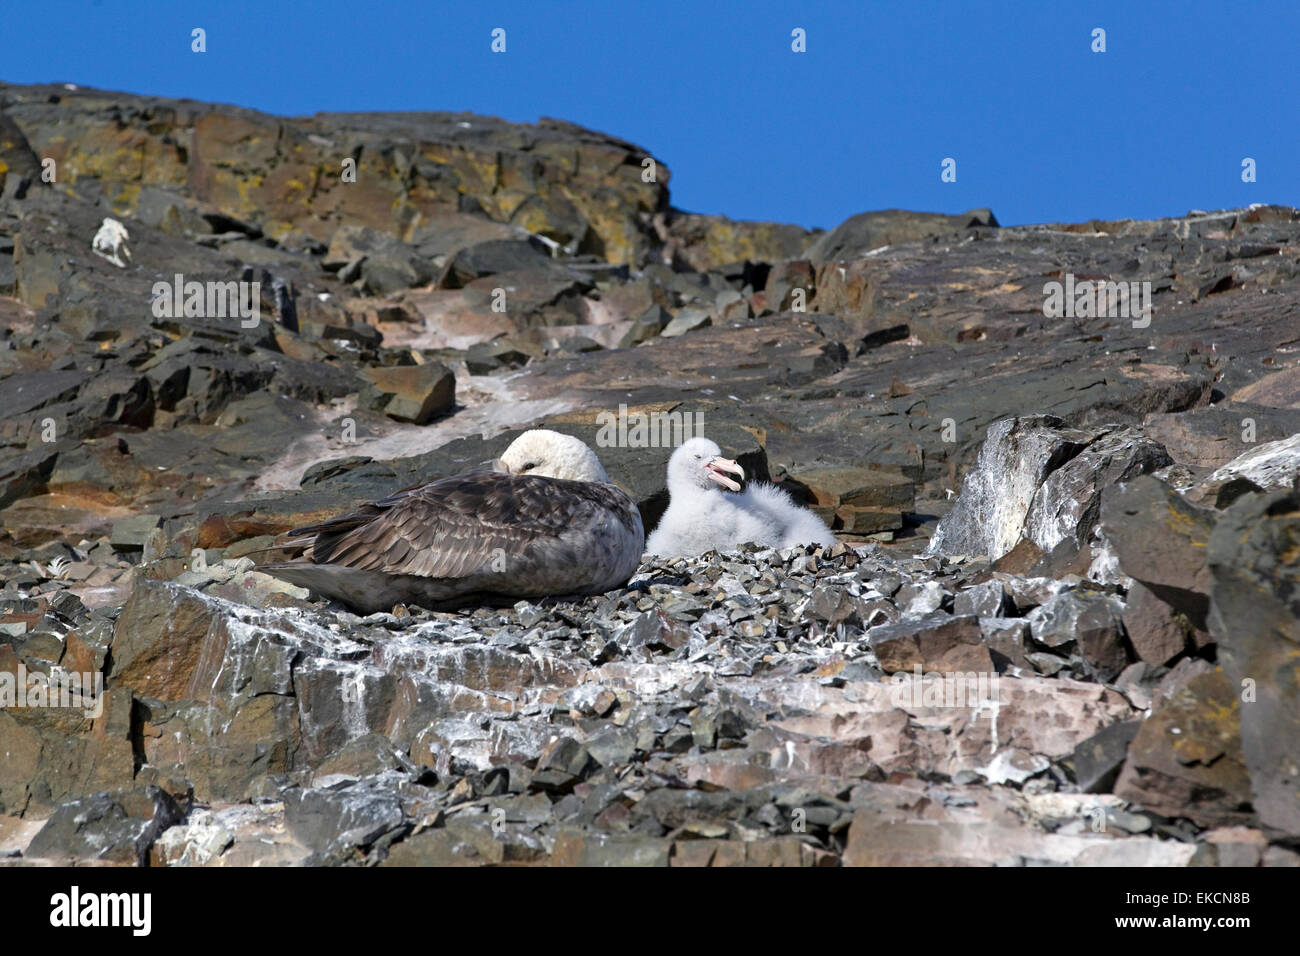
(452, 527)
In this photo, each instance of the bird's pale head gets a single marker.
(698, 463)
(549, 454)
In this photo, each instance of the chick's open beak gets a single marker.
(718, 468)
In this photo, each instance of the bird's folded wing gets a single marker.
(454, 526)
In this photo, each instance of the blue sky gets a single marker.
(1042, 129)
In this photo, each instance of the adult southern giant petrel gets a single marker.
(548, 521)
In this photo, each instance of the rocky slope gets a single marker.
(1061, 626)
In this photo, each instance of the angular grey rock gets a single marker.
(111, 827)
(1029, 593)
(496, 255)
(614, 747)
(25, 473)
(19, 166)
(130, 534)
(1270, 467)
(685, 321)
(1186, 760)
(1090, 622)
(834, 605)
(1008, 641)
(986, 599)
(1160, 539)
(385, 263)
(1097, 761)
(1068, 503)
(645, 327)
(334, 821)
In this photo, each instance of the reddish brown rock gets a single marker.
(1186, 760)
(1255, 618)
(1157, 632)
(1279, 390)
(410, 393)
(940, 643)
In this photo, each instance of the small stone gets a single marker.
(684, 321)
(988, 599)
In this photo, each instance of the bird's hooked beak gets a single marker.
(718, 468)
(496, 464)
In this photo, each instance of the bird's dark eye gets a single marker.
(528, 467)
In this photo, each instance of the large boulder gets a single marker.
(870, 230)
(1161, 540)
(495, 256)
(117, 827)
(1068, 503)
(1254, 561)
(1040, 481)
(1018, 454)
(1186, 760)
(1213, 436)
